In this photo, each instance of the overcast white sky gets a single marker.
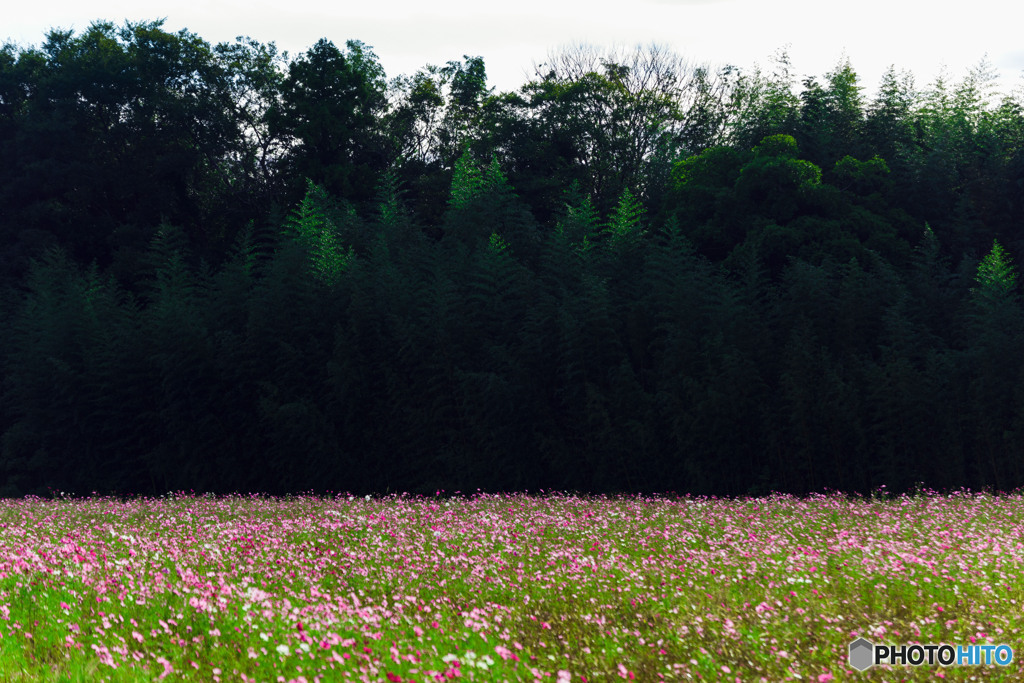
(512, 36)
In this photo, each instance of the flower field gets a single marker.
(493, 588)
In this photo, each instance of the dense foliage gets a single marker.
(224, 269)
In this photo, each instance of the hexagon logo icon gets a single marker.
(861, 654)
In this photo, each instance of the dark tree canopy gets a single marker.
(223, 268)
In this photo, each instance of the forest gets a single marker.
(228, 269)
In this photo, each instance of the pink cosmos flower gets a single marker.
(167, 667)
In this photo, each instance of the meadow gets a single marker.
(548, 587)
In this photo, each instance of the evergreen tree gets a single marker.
(997, 330)
(889, 126)
(762, 105)
(310, 225)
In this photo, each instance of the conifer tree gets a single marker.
(625, 225)
(997, 326)
(317, 233)
(467, 181)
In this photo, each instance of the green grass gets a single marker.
(499, 588)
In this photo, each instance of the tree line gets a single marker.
(226, 269)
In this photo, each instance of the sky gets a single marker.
(514, 36)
